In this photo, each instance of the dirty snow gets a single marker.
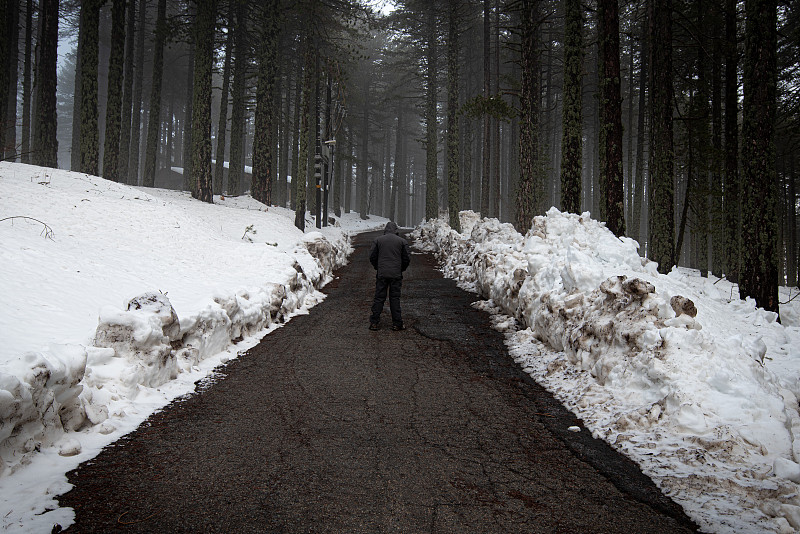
(675, 371)
(116, 300)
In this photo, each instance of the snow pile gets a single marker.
(699, 388)
(116, 300)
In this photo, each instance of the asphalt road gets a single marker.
(326, 426)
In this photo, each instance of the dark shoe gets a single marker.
(373, 326)
(398, 327)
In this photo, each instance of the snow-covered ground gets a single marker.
(702, 394)
(116, 300)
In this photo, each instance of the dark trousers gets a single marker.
(381, 285)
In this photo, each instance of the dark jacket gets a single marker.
(389, 253)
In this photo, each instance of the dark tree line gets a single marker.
(630, 110)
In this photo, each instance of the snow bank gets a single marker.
(699, 388)
(111, 293)
(43, 394)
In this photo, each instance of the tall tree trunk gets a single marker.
(530, 191)
(90, 43)
(222, 124)
(236, 165)
(26, 84)
(732, 200)
(718, 221)
(629, 178)
(127, 96)
(572, 141)
(305, 112)
(453, 158)
(75, 141)
(337, 180)
(793, 247)
(116, 64)
(9, 118)
(759, 179)
(286, 148)
(186, 153)
(154, 119)
(5, 53)
(496, 122)
(398, 154)
(700, 128)
(298, 92)
(45, 143)
(635, 226)
(263, 157)
(348, 175)
(487, 88)
(431, 145)
(362, 188)
(138, 82)
(202, 181)
(611, 176)
(662, 222)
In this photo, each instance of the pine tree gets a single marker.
(611, 175)
(572, 142)
(114, 103)
(222, 123)
(9, 118)
(453, 159)
(26, 84)
(45, 143)
(263, 157)
(307, 9)
(662, 224)
(431, 179)
(530, 190)
(127, 95)
(154, 120)
(89, 133)
(732, 196)
(4, 82)
(759, 195)
(486, 163)
(236, 165)
(201, 178)
(136, 122)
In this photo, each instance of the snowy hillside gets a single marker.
(116, 300)
(697, 386)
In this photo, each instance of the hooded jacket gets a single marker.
(389, 253)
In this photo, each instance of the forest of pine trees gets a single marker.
(676, 122)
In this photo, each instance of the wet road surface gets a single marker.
(326, 426)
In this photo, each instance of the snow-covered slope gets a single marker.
(117, 300)
(674, 370)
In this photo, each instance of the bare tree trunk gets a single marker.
(127, 95)
(431, 167)
(45, 143)
(133, 169)
(236, 165)
(759, 179)
(222, 123)
(662, 223)
(26, 85)
(116, 65)
(205, 19)
(154, 119)
(572, 142)
(487, 80)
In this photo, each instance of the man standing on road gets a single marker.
(390, 257)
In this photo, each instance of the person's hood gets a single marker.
(391, 228)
